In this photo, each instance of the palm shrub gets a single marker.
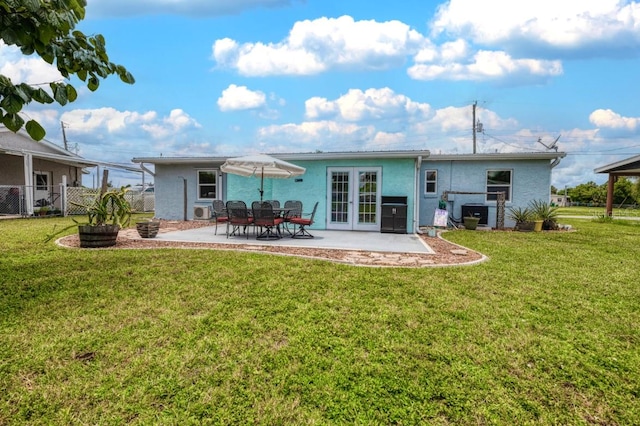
(542, 210)
(522, 216)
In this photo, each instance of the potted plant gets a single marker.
(105, 217)
(148, 228)
(523, 217)
(43, 211)
(546, 213)
(470, 222)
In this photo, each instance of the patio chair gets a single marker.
(301, 223)
(219, 213)
(292, 208)
(264, 217)
(238, 215)
(274, 203)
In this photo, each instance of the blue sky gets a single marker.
(225, 78)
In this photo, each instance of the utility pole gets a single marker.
(475, 103)
(64, 137)
(476, 126)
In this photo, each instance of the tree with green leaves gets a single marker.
(588, 193)
(47, 28)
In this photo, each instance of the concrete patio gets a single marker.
(349, 240)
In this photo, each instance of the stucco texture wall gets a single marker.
(398, 178)
(172, 202)
(531, 180)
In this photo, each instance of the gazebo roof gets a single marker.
(627, 167)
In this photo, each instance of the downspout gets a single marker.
(143, 167)
(416, 204)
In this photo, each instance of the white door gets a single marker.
(354, 198)
(42, 188)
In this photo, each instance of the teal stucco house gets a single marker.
(359, 190)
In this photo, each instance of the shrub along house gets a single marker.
(389, 191)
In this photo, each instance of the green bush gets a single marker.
(542, 210)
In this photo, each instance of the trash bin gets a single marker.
(394, 214)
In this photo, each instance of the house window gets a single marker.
(42, 181)
(499, 181)
(430, 182)
(207, 184)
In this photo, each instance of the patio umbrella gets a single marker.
(261, 166)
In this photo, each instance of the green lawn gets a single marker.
(595, 212)
(545, 332)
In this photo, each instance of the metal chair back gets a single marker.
(293, 209)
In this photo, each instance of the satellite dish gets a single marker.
(553, 145)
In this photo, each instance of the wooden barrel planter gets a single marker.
(147, 229)
(92, 236)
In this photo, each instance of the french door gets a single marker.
(354, 198)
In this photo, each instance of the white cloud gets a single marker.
(379, 119)
(544, 24)
(371, 104)
(325, 43)
(483, 66)
(109, 119)
(176, 122)
(235, 98)
(179, 7)
(26, 69)
(102, 123)
(606, 118)
(45, 116)
(313, 135)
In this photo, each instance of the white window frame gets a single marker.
(427, 181)
(493, 198)
(37, 176)
(216, 190)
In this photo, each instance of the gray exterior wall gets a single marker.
(531, 180)
(12, 166)
(172, 202)
(12, 170)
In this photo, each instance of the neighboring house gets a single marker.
(561, 200)
(32, 173)
(523, 177)
(356, 190)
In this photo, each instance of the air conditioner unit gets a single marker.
(201, 212)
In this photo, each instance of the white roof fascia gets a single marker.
(617, 165)
(352, 155)
(290, 157)
(497, 156)
(178, 160)
(66, 159)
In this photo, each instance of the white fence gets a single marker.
(60, 200)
